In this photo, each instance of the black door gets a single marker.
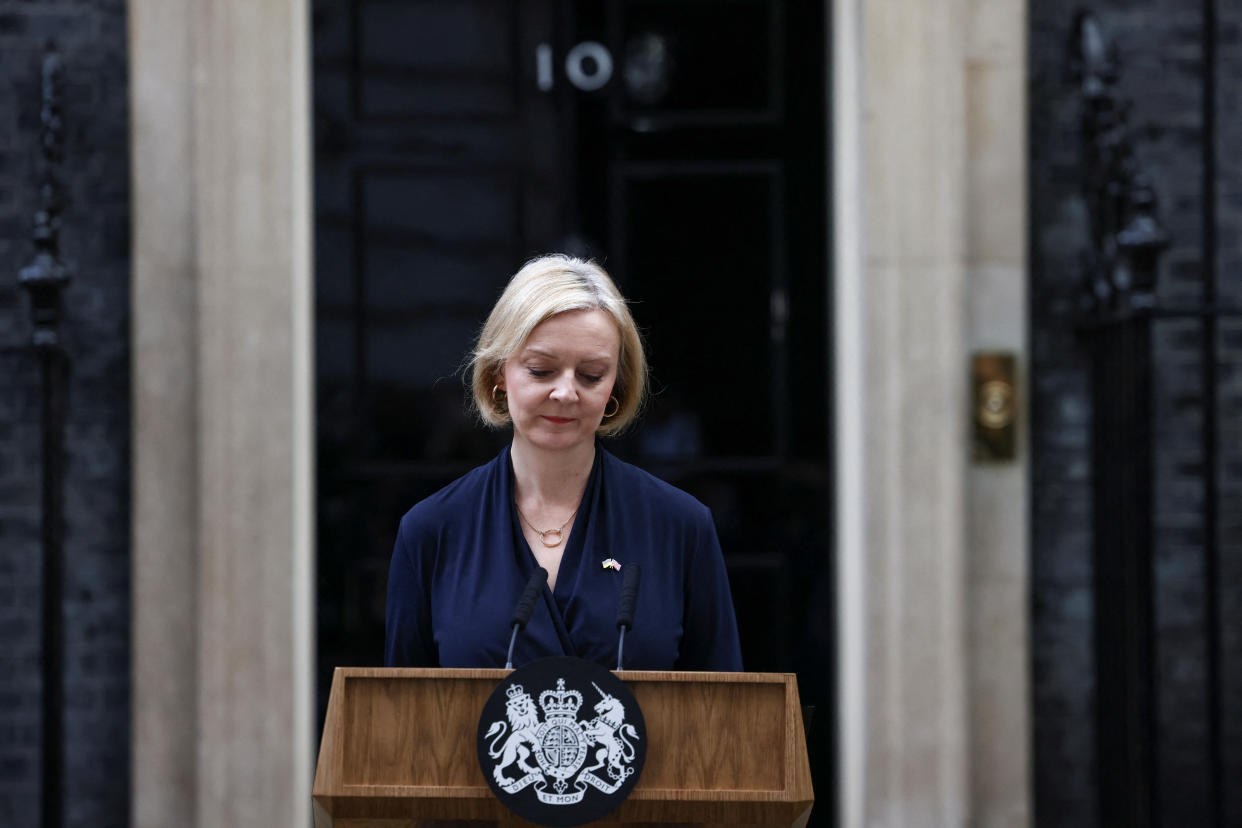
(682, 144)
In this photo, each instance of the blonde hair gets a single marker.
(543, 288)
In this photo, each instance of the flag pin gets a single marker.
(611, 563)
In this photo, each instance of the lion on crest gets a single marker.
(523, 722)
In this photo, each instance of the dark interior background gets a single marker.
(681, 144)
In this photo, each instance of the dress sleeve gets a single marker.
(709, 638)
(408, 640)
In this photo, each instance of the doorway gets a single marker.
(682, 144)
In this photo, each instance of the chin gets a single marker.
(559, 440)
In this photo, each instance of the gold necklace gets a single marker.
(543, 536)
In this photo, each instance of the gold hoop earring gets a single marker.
(616, 407)
(503, 399)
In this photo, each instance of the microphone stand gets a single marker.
(631, 577)
(525, 606)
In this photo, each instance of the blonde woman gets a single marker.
(561, 363)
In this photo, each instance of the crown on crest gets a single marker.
(560, 702)
(514, 691)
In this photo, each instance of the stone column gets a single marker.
(222, 441)
(998, 497)
(901, 419)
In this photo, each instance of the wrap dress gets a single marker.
(461, 561)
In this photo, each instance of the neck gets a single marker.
(550, 477)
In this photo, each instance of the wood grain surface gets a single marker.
(399, 750)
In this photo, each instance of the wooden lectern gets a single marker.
(722, 748)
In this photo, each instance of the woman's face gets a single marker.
(558, 383)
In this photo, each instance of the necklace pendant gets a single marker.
(543, 536)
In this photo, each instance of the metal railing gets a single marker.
(45, 278)
(1119, 312)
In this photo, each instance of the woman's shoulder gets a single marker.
(458, 501)
(640, 484)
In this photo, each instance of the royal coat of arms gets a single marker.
(562, 755)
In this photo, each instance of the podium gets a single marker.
(399, 749)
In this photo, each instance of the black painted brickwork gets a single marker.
(95, 240)
(1160, 44)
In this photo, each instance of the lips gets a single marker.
(558, 420)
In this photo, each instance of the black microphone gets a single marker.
(631, 577)
(525, 606)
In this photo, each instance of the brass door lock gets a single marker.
(995, 406)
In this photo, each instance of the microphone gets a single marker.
(631, 577)
(525, 606)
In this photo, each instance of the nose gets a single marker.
(565, 389)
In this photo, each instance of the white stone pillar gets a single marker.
(901, 441)
(222, 408)
(998, 571)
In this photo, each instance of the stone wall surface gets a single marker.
(899, 314)
(91, 35)
(223, 469)
(1164, 71)
(998, 496)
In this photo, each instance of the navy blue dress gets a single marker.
(461, 561)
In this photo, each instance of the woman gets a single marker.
(560, 360)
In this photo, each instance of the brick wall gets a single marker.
(95, 241)
(1161, 49)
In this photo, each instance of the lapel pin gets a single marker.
(611, 563)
